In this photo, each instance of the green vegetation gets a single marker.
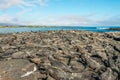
(9, 26)
(33, 26)
(29, 26)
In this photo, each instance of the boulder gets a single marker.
(18, 70)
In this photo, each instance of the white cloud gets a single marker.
(67, 20)
(26, 6)
(23, 12)
(9, 3)
(42, 2)
(4, 4)
(12, 20)
(77, 20)
(5, 18)
(114, 20)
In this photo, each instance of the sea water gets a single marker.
(27, 29)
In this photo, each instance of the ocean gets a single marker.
(86, 28)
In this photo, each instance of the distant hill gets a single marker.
(2, 25)
(9, 24)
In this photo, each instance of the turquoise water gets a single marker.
(27, 29)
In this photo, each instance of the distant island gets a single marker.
(30, 26)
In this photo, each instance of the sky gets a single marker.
(61, 12)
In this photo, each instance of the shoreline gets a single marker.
(84, 31)
(114, 29)
(44, 29)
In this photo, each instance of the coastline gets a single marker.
(27, 26)
(60, 55)
(6, 30)
(114, 29)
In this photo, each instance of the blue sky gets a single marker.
(61, 12)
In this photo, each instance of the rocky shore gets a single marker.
(60, 55)
(118, 29)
